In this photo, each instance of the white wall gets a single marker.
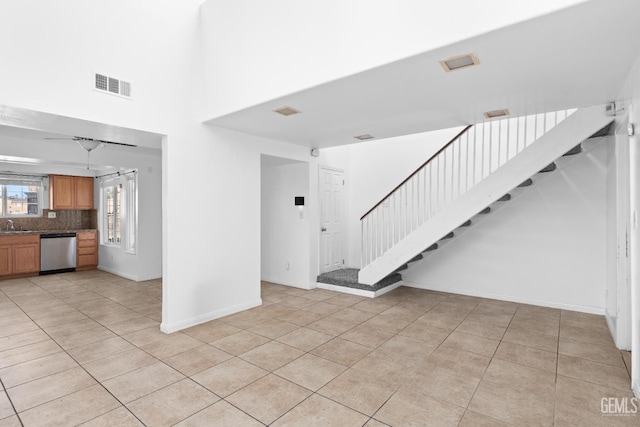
(377, 167)
(211, 255)
(630, 93)
(282, 46)
(146, 263)
(545, 247)
(285, 236)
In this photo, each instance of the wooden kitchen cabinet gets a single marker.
(83, 192)
(70, 192)
(26, 258)
(87, 249)
(5, 260)
(19, 255)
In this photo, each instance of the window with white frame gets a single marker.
(118, 211)
(131, 215)
(21, 195)
(112, 213)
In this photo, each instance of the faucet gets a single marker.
(10, 225)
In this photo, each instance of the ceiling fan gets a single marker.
(91, 144)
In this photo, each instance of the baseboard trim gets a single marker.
(168, 328)
(285, 283)
(359, 292)
(118, 273)
(511, 298)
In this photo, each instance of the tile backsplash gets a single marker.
(64, 220)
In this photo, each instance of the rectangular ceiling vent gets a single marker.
(496, 113)
(112, 85)
(286, 111)
(364, 137)
(460, 61)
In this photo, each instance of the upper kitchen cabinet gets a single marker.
(70, 192)
(83, 192)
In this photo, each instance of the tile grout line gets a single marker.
(72, 358)
(11, 402)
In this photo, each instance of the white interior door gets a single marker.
(331, 219)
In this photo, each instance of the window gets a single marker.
(118, 211)
(131, 214)
(113, 212)
(21, 195)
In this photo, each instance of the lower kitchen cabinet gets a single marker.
(19, 255)
(26, 258)
(5, 260)
(87, 248)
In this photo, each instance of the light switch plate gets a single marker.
(51, 215)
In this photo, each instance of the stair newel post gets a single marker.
(404, 210)
(416, 200)
(518, 135)
(392, 217)
(369, 239)
(409, 188)
(423, 194)
(376, 215)
(490, 147)
(437, 205)
(362, 246)
(385, 226)
(508, 139)
(459, 164)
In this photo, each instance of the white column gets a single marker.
(634, 243)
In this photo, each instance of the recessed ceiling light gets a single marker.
(286, 111)
(460, 61)
(364, 137)
(496, 113)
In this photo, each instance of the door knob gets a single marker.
(323, 229)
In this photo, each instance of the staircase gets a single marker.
(484, 166)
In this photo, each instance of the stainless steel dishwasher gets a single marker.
(57, 253)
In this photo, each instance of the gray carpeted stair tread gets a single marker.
(416, 258)
(402, 267)
(431, 248)
(348, 278)
(505, 198)
(549, 168)
(575, 150)
(466, 223)
(526, 183)
(485, 211)
(448, 236)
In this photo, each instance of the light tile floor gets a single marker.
(85, 349)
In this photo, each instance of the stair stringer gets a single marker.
(552, 145)
(561, 162)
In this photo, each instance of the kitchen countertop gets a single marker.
(21, 232)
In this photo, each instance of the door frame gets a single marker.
(344, 216)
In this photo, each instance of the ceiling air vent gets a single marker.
(460, 61)
(286, 111)
(112, 85)
(364, 137)
(496, 113)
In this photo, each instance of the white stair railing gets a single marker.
(474, 154)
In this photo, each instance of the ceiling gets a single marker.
(56, 146)
(576, 57)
